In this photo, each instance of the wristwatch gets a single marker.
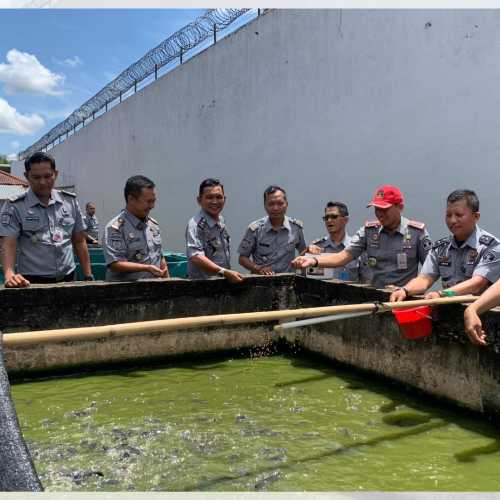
(90, 277)
(221, 272)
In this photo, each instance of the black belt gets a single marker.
(43, 280)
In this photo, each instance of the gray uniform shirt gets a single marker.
(92, 226)
(275, 249)
(392, 259)
(479, 255)
(208, 237)
(129, 239)
(350, 272)
(44, 246)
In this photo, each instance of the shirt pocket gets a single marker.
(67, 223)
(32, 224)
(264, 248)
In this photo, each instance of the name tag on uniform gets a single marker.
(402, 261)
(444, 261)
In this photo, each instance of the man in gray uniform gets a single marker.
(336, 218)
(467, 261)
(132, 239)
(41, 227)
(269, 244)
(207, 238)
(92, 224)
(394, 245)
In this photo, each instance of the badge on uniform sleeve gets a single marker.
(427, 243)
(5, 219)
(116, 244)
(34, 239)
(488, 257)
(139, 255)
(402, 259)
(371, 262)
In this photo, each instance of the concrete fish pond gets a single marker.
(237, 406)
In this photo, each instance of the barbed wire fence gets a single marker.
(175, 47)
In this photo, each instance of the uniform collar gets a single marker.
(33, 200)
(472, 241)
(210, 220)
(344, 242)
(268, 226)
(401, 229)
(135, 221)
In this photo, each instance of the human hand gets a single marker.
(398, 295)
(233, 276)
(156, 271)
(16, 281)
(265, 270)
(432, 295)
(303, 262)
(474, 327)
(313, 249)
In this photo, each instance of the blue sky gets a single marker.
(51, 61)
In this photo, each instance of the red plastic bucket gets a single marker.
(415, 322)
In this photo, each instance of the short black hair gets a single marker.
(39, 157)
(271, 190)
(210, 182)
(343, 210)
(134, 186)
(470, 197)
(89, 203)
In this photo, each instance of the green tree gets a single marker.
(4, 159)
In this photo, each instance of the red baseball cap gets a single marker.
(385, 196)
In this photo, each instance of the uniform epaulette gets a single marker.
(486, 240)
(154, 221)
(69, 193)
(18, 197)
(319, 240)
(372, 223)
(297, 222)
(416, 224)
(255, 224)
(118, 224)
(441, 242)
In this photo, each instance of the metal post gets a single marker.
(120, 96)
(215, 33)
(135, 86)
(181, 55)
(83, 123)
(74, 129)
(156, 71)
(258, 12)
(106, 106)
(93, 115)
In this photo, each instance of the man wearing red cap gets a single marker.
(394, 245)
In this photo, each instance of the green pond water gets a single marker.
(265, 423)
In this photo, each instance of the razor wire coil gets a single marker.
(173, 47)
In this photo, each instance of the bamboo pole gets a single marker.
(175, 324)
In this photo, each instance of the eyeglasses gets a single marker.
(331, 216)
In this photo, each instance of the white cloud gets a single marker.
(23, 72)
(71, 62)
(15, 145)
(13, 122)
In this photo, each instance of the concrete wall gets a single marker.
(327, 103)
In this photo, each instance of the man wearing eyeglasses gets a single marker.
(336, 218)
(394, 244)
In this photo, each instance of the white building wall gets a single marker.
(326, 103)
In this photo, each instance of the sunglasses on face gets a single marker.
(331, 217)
